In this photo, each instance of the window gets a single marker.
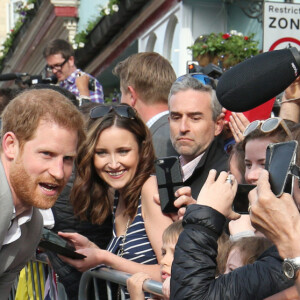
(13, 16)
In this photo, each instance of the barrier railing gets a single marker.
(110, 275)
(36, 272)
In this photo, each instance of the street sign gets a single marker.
(281, 26)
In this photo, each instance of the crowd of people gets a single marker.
(85, 169)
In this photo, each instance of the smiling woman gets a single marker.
(114, 166)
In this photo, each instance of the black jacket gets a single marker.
(194, 265)
(214, 157)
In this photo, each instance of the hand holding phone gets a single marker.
(53, 242)
(280, 158)
(241, 202)
(169, 180)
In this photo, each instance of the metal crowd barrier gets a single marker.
(38, 280)
(110, 275)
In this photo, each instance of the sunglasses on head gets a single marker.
(268, 125)
(204, 79)
(123, 111)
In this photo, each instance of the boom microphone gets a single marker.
(11, 76)
(258, 79)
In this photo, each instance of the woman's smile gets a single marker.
(116, 157)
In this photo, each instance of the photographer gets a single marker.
(59, 55)
(194, 264)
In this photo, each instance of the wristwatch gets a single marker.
(290, 267)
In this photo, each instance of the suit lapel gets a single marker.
(6, 205)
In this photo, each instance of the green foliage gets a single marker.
(233, 47)
(81, 37)
(22, 11)
(113, 97)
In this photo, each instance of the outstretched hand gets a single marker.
(83, 246)
(79, 241)
(293, 90)
(184, 198)
(277, 218)
(219, 194)
(93, 258)
(237, 124)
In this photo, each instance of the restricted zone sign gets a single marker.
(281, 26)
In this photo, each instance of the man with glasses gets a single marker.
(59, 55)
(145, 81)
(195, 126)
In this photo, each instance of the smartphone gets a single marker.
(280, 157)
(241, 202)
(53, 242)
(92, 84)
(169, 180)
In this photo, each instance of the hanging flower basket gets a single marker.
(224, 49)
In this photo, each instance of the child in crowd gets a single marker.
(241, 252)
(169, 240)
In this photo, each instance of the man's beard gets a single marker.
(27, 188)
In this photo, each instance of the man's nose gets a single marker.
(184, 126)
(57, 168)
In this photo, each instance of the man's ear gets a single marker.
(10, 145)
(72, 61)
(133, 95)
(219, 124)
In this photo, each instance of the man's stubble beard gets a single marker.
(26, 188)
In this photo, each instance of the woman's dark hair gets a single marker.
(90, 193)
(238, 153)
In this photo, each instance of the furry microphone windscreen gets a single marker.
(258, 79)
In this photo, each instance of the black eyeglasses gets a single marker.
(123, 111)
(57, 67)
(267, 126)
(204, 79)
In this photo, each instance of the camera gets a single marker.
(38, 79)
(210, 70)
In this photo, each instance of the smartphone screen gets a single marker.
(279, 159)
(241, 202)
(169, 180)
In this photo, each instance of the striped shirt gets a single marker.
(70, 84)
(136, 246)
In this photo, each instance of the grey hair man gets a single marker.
(195, 125)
